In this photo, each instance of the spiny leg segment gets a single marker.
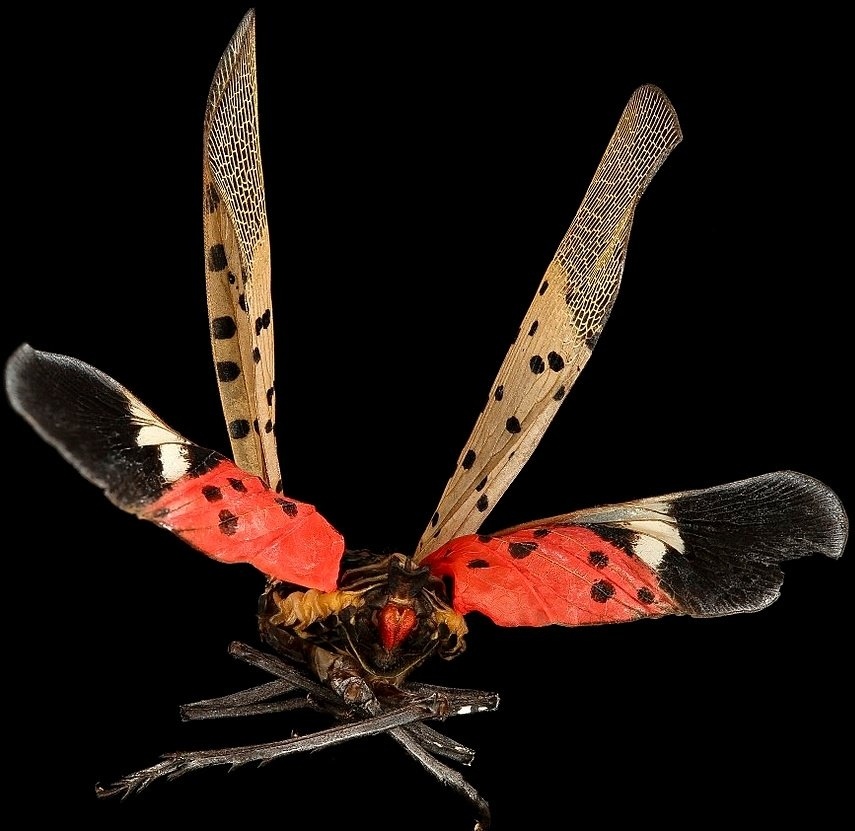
(367, 716)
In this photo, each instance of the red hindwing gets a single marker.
(704, 553)
(566, 574)
(148, 469)
(235, 517)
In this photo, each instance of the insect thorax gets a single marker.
(388, 614)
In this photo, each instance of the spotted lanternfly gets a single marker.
(352, 625)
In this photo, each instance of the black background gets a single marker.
(421, 169)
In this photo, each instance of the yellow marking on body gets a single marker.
(455, 622)
(300, 609)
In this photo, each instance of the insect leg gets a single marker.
(252, 702)
(446, 775)
(281, 669)
(461, 702)
(256, 700)
(174, 765)
(423, 743)
(224, 706)
(440, 745)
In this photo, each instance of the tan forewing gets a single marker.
(237, 258)
(562, 325)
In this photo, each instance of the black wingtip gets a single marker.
(824, 517)
(735, 537)
(16, 366)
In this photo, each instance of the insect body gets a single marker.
(357, 623)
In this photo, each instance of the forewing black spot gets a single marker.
(536, 364)
(232, 279)
(212, 198)
(270, 397)
(217, 258)
(477, 564)
(543, 287)
(499, 394)
(212, 493)
(482, 503)
(239, 428)
(468, 459)
(256, 354)
(521, 550)
(559, 393)
(481, 484)
(434, 519)
(223, 328)
(242, 301)
(228, 523)
(556, 362)
(512, 425)
(255, 426)
(262, 322)
(533, 328)
(279, 487)
(601, 591)
(227, 370)
(268, 428)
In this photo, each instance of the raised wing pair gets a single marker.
(356, 622)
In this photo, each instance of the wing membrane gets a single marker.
(148, 469)
(562, 325)
(704, 553)
(237, 258)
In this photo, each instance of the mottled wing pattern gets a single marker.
(562, 324)
(148, 469)
(703, 553)
(237, 258)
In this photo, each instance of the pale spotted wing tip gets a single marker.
(235, 46)
(651, 97)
